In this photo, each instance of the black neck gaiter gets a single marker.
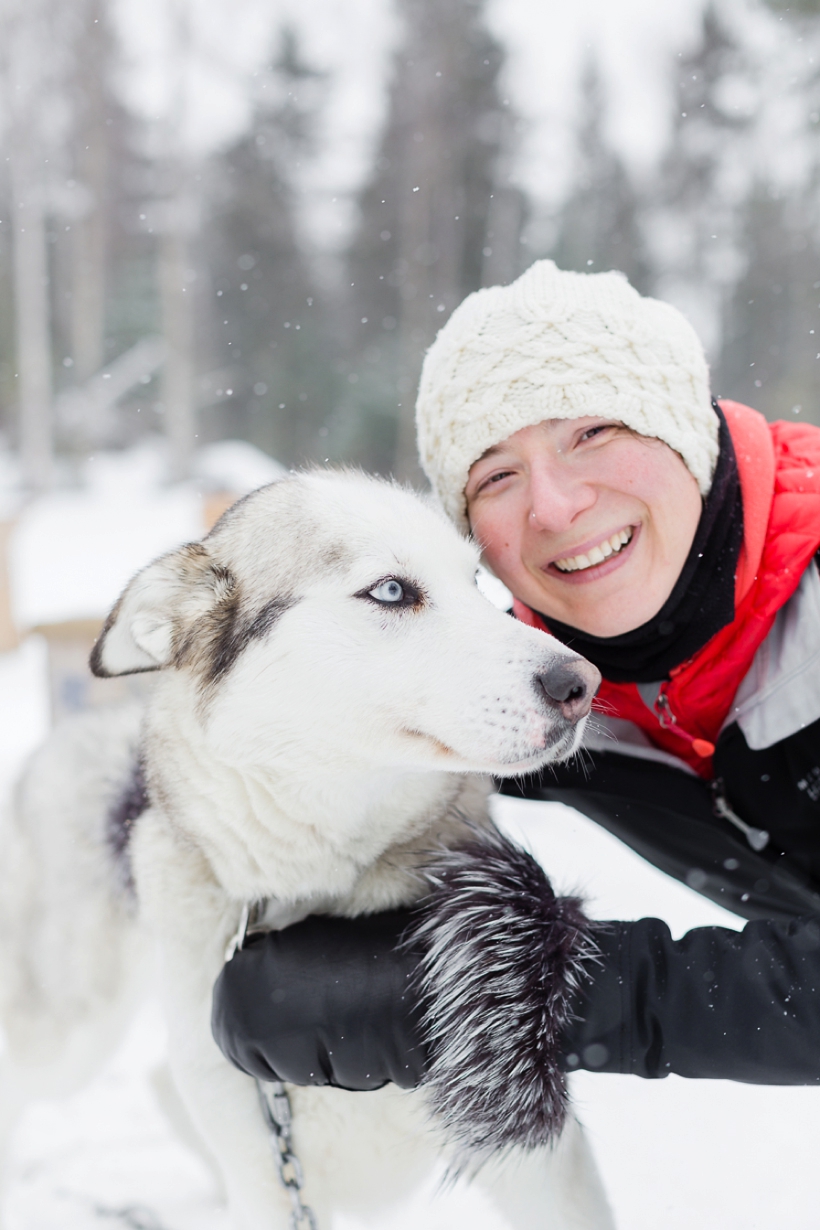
(702, 602)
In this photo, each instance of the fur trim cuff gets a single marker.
(503, 956)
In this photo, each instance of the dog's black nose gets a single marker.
(570, 686)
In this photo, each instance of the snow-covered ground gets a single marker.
(73, 550)
(674, 1154)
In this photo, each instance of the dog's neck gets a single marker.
(269, 831)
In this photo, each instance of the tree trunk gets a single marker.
(30, 271)
(89, 232)
(176, 295)
(176, 275)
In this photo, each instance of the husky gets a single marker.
(331, 690)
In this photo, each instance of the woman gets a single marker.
(567, 422)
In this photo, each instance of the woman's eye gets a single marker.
(391, 591)
(594, 431)
(494, 478)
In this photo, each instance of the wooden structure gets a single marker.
(72, 688)
(214, 505)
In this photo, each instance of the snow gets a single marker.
(73, 551)
(106, 1156)
(236, 466)
(69, 562)
(674, 1154)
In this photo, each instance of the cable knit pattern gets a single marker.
(560, 345)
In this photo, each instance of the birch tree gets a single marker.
(179, 218)
(30, 72)
(91, 176)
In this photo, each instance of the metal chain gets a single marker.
(273, 1097)
(278, 1116)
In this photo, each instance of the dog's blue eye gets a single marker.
(388, 591)
(393, 591)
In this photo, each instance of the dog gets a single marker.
(331, 690)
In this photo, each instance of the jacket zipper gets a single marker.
(757, 838)
(667, 719)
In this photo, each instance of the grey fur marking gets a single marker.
(236, 633)
(126, 810)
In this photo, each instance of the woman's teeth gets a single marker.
(597, 555)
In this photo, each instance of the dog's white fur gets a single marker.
(306, 745)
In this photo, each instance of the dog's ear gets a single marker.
(150, 624)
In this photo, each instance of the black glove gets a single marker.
(327, 1001)
(334, 1001)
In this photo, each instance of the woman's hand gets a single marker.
(474, 1004)
(328, 1001)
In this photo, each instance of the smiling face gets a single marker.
(585, 521)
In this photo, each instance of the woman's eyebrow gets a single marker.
(490, 452)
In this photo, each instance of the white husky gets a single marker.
(330, 679)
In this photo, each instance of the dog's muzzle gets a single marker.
(569, 687)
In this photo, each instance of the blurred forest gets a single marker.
(146, 288)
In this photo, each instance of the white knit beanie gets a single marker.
(560, 345)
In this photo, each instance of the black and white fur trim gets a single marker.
(503, 956)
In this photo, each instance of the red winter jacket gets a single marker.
(718, 1003)
(779, 466)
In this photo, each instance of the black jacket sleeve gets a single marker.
(716, 1003)
(668, 817)
(741, 1006)
(519, 988)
